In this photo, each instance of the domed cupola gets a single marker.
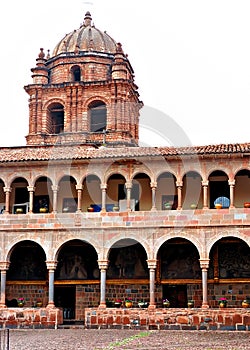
(86, 38)
(84, 92)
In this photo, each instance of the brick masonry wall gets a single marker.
(30, 292)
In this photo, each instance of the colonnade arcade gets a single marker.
(138, 192)
(176, 263)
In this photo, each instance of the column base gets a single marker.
(102, 306)
(205, 306)
(152, 306)
(50, 305)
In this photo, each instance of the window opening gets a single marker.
(98, 117)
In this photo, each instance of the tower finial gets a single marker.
(87, 19)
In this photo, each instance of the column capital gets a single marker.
(51, 264)
(128, 184)
(231, 182)
(7, 189)
(31, 188)
(79, 187)
(153, 184)
(204, 183)
(103, 264)
(152, 263)
(204, 263)
(4, 265)
(103, 187)
(55, 188)
(179, 183)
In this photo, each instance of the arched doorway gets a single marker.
(229, 271)
(76, 273)
(180, 272)
(27, 274)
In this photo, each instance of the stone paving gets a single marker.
(83, 339)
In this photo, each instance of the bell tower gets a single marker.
(84, 92)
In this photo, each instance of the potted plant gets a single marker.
(190, 303)
(246, 302)
(165, 302)
(142, 304)
(128, 302)
(39, 303)
(118, 303)
(109, 303)
(218, 206)
(222, 302)
(20, 302)
(168, 205)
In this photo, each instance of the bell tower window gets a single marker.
(98, 116)
(56, 118)
(76, 73)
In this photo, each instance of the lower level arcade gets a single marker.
(78, 281)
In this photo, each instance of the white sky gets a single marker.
(191, 60)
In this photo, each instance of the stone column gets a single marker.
(205, 189)
(31, 190)
(128, 186)
(55, 190)
(51, 266)
(153, 189)
(179, 185)
(231, 185)
(103, 265)
(7, 191)
(79, 197)
(4, 266)
(152, 267)
(204, 263)
(104, 190)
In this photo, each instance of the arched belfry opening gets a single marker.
(98, 116)
(56, 118)
(76, 73)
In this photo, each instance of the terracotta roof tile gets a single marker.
(45, 153)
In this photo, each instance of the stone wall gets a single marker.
(30, 317)
(169, 319)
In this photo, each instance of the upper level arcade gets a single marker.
(84, 92)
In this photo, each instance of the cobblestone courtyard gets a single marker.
(81, 339)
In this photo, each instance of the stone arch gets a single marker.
(127, 259)
(219, 188)
(67, 194)
(19, 197)
(43, 196)
(116, 189)
(141, 191)
(27, 261)
(192, 190)
(229, 259)
(166, 194)
(91, 195)
(242, 188)
(76, 260)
